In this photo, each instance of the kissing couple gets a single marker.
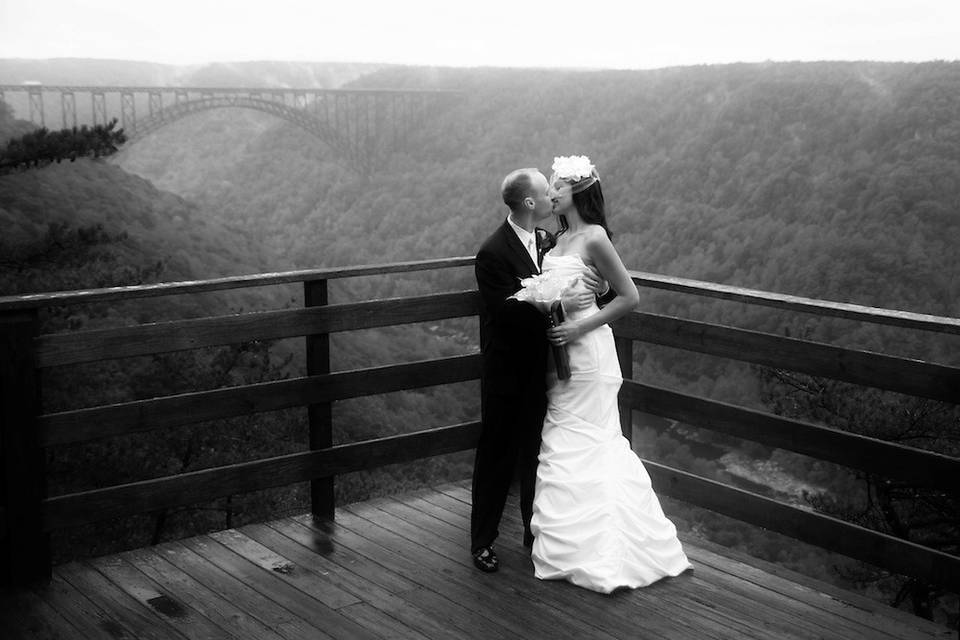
(589, 513)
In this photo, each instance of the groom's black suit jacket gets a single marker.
(512, 334)
(513, 338)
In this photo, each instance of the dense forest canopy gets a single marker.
(767, 176)
(838, 181)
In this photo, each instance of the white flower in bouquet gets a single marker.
(543, 289)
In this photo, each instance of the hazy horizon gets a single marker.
(559, 34)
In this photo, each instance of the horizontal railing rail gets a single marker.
(914, 377)
(180, 335)
(82, 425)
(880, 549)
(904, 319)
(898, 461)
(30, 515)
(115, 294)
(207, 484)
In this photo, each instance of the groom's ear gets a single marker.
(529, 203)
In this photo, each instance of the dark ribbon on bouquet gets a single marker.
(545, 242)
(561, 359)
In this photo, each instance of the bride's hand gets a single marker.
(564, 333)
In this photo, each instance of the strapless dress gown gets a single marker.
(596, 520)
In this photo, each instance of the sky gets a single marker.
(620, 34)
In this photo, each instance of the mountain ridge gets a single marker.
(95, 71)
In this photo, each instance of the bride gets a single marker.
(596, 519)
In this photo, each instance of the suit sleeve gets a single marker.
(606, 298)
(495, 279)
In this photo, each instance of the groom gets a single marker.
(514, 354)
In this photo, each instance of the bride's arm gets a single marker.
(601, 251)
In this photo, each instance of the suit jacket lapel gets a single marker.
(514, 243)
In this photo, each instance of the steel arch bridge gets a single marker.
(362, 126)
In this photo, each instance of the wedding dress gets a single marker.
(596, 519)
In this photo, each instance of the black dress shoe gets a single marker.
(486, 560)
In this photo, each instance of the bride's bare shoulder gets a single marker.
(596, 234)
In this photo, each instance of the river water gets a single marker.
(762, 476)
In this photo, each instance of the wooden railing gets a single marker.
(29, 515)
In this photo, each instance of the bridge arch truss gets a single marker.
(362, 126)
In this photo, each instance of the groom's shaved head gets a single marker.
(517, 186)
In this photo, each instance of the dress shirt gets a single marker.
(527, 239)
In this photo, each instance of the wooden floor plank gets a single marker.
(24, 614)
(591, 610)
(553, 620)
(498, 602)
(767, 612)
(598, 609)
(487, 603)
(399, 567)
(219, 610)
(155, 601)
(257, 605)
(423, 622)
(857, 609)
(703, 618)
(835, 613)
(125, 609)
(380, 622)
(768, 603)
(274, 586)
(317, 536)
(516, 531)
(302, 576)
(90, 620)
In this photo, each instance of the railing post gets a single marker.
(625, 356)
(25, 548)
(322, 502)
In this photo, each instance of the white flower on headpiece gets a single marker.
(572, 168)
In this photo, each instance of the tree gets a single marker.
(41, 147)
(927, 516)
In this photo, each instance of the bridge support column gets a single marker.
(99, 103)
(128, 111)
(156, 103)
(320, 415)
(68, 109)
(36, 107)
(24, 547)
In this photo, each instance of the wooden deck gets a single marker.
(399, 568)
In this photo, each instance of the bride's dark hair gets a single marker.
(589, 204)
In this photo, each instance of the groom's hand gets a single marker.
(577, 298)
(594, 282)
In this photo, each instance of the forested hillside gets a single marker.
(826, 180)
(833, 180)
(838, 181)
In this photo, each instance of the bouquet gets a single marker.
(544, 291)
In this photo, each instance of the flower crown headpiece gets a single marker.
(577, 171)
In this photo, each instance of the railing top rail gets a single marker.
(172, 89)
(908, 319)
(54, 298)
